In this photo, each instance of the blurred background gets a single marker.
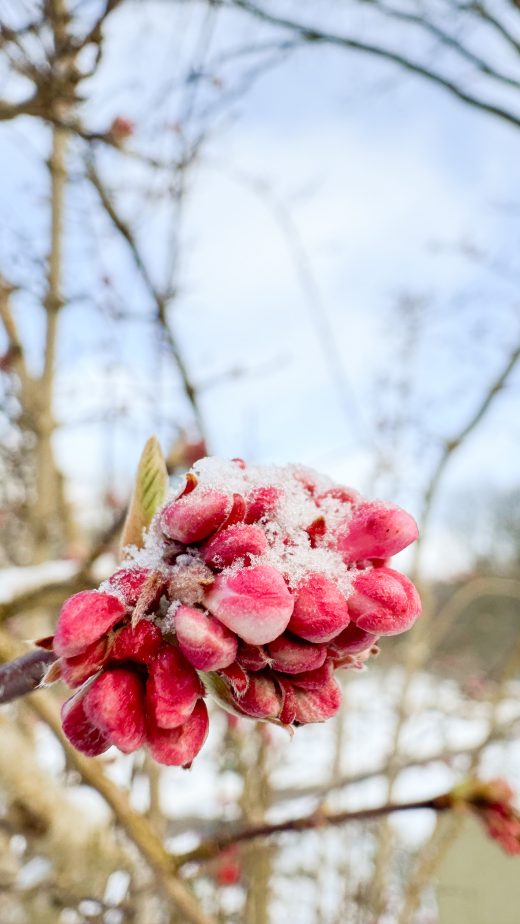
(287, 232)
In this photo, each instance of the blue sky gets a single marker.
(382, 178)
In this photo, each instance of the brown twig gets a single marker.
(320, 818)
(22, 676)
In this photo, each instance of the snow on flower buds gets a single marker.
(255, 584)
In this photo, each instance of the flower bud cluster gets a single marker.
(255, 583)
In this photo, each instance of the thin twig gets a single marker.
(320, 818)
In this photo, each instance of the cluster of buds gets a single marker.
(492, 802)
(254, 584)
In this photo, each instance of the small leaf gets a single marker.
(149, 494)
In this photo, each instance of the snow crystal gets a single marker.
(289, 546)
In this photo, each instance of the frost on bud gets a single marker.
(320, 610)
(254, 602)
(262, 503)
(114, 703)
(128, 583)
(384, 602)
(83, 619)
(203, 640)
(262, 700)
(196, 515)
(172, 689)
(238, 541)
(291, 655)
(376, 530)
(265, 579)
(80, 731)
(177, 747)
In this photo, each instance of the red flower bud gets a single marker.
(376, 530)
(114, 703)
(137, 643)
(252, 657)
(239, 541)
(178, 747)
(196, 515)
(262, 503)
(79, 668)
(320, 610)
(291, 655)
(128, 583)
(78, 728)
(172, 689)
(254, 602)
(83, 619)
(262, 699)
(203, 640)
(351, 641)
(384, 602)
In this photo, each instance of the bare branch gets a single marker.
(22, 676)
(320, 818)
(312, 35)
(160, 300)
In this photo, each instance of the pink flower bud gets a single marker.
(172, 689)
(139, 643)
(262, 502)
(196, 515)
(376, 530)
(320, 610)
(236, 677)
(79, 729)
(237, 512)
(317, 679)
(339, 493)
(384, 602)
(128, 583)
(254, 602)
(227, 867)
(291, 655)
(316, 531)
(203, 640)
(79, 668)
(114, 703)
(252, 657)
(289, 704)
(349, 642)
(317, 705)
(238, 541)
(177, 747)
(262, 699)
(83, 619)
